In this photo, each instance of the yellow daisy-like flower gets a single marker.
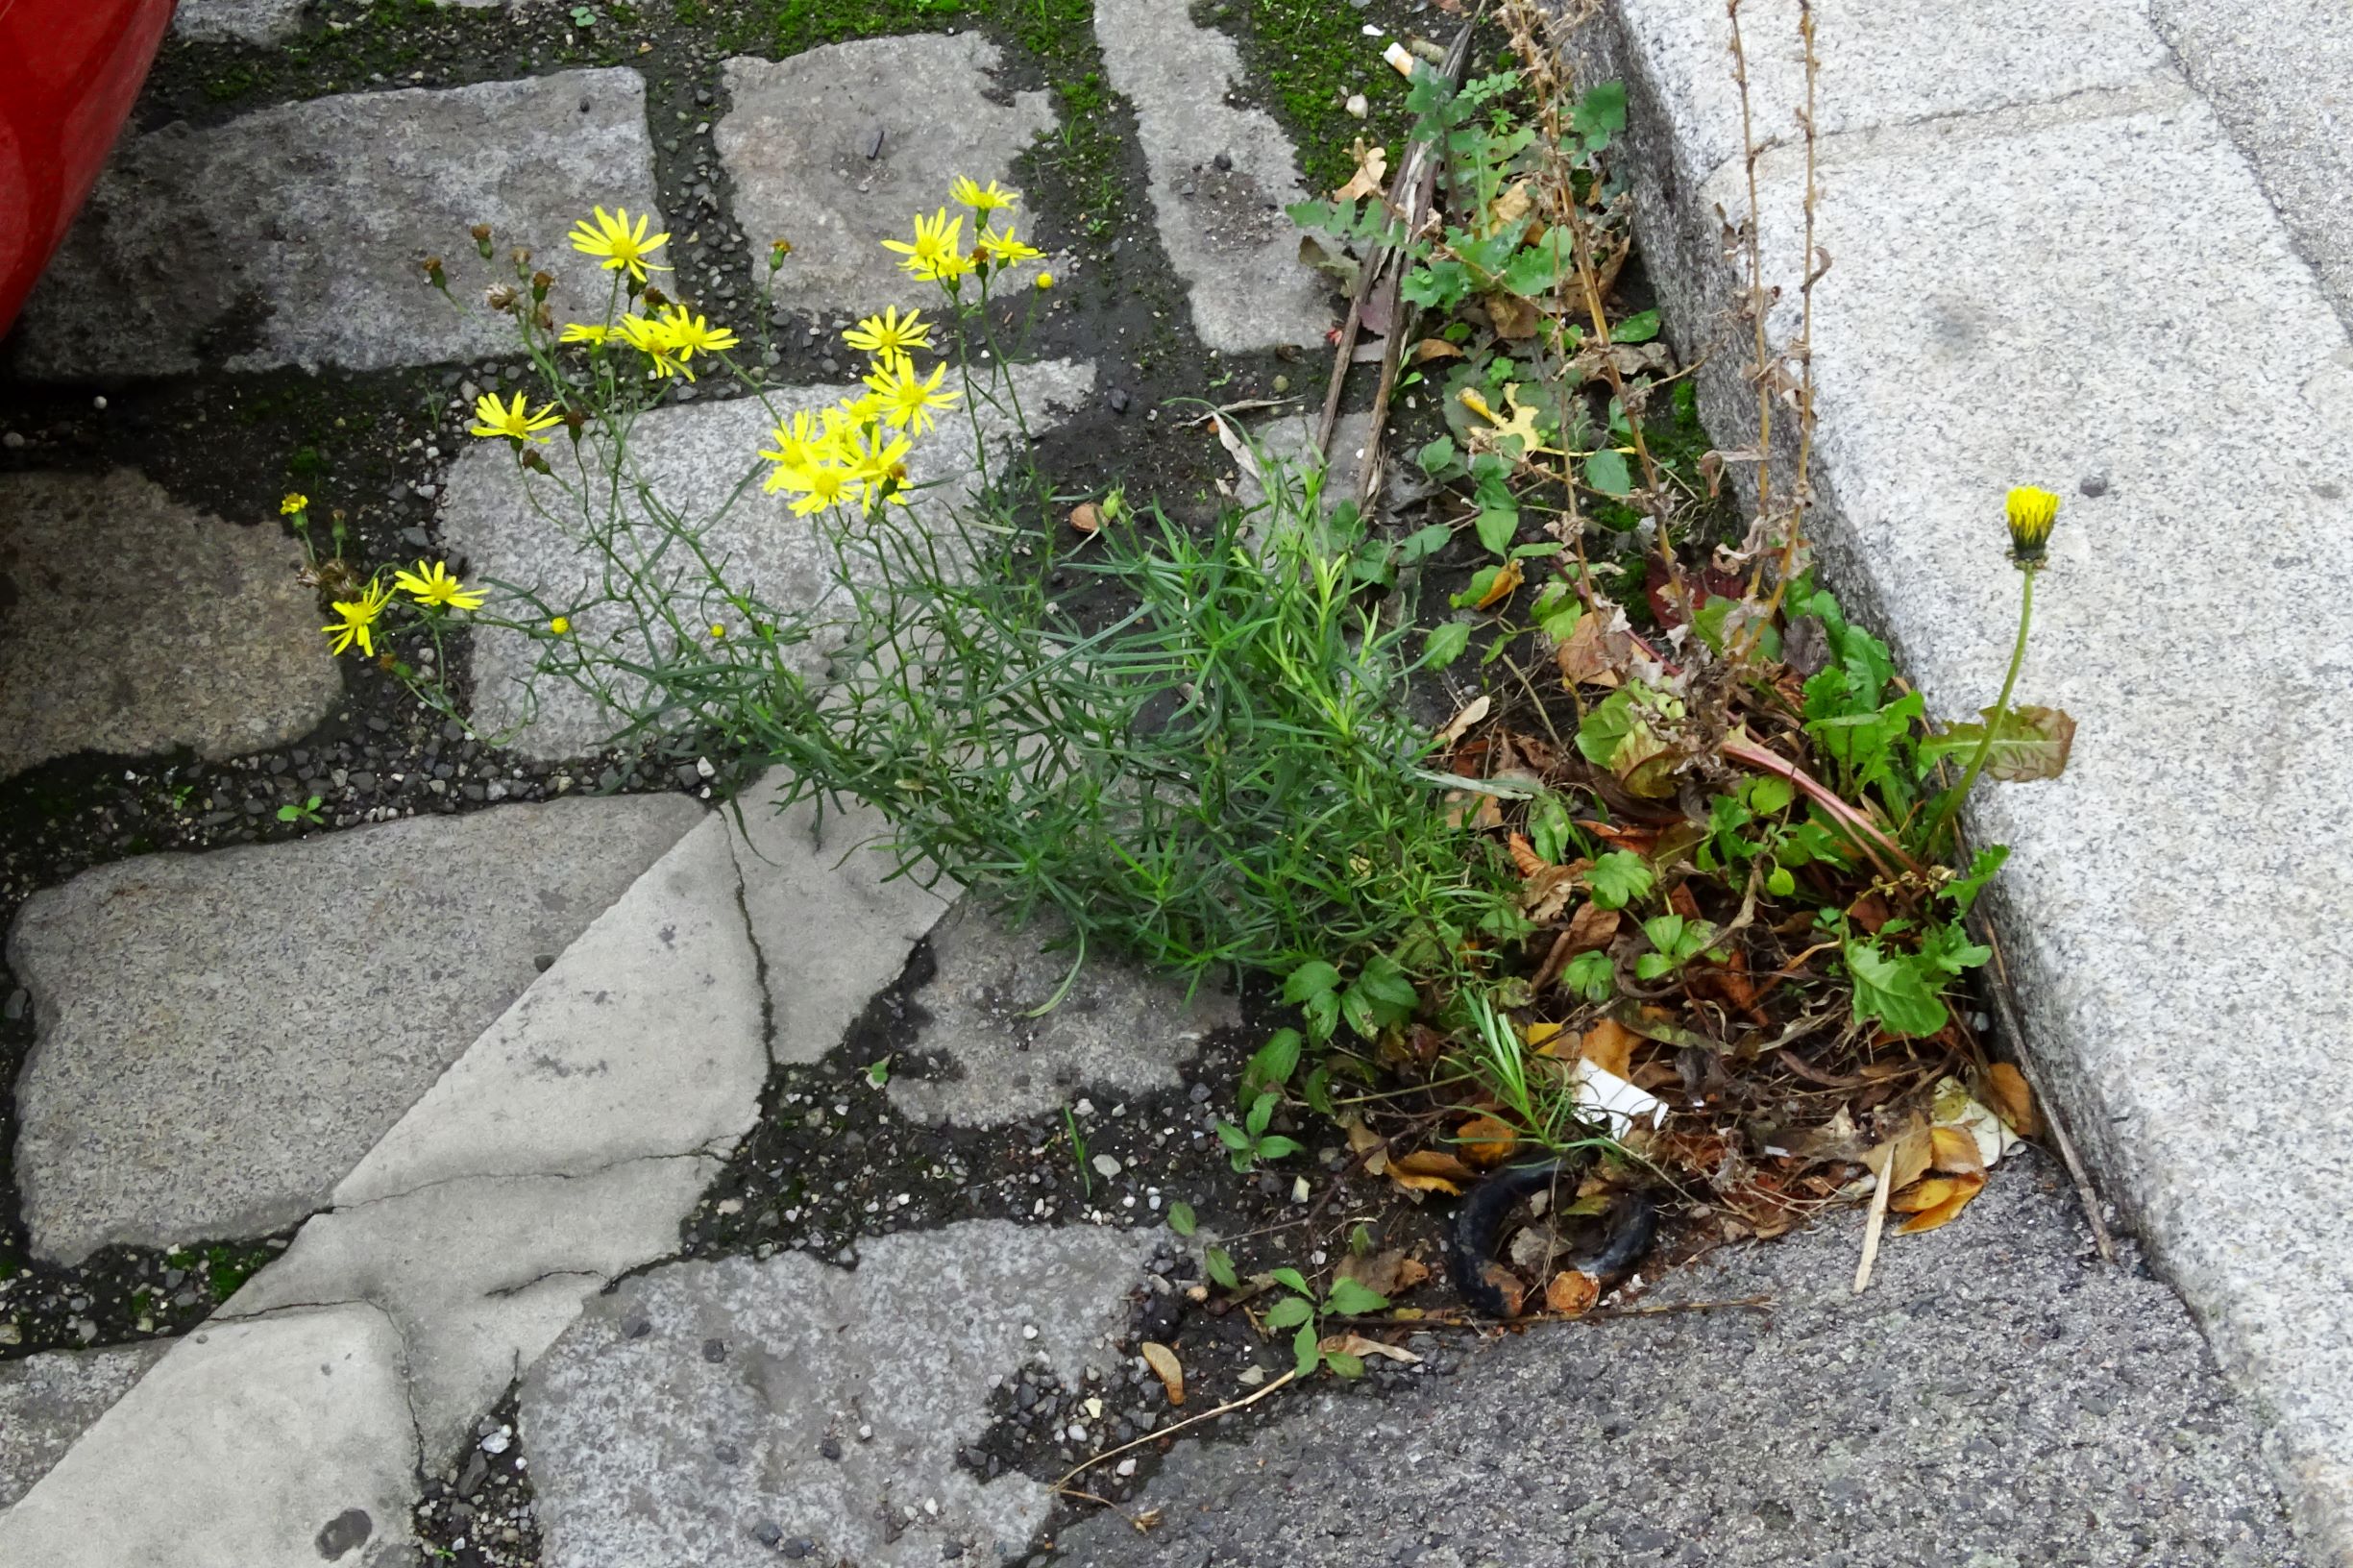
(691, 334)
(801, 444)
(495, 421)
(561, 626)
(1002, 249)
(356, 618)
(935, 255)
(2031, 514)
(623, 249)
(295, 503)
(878, 463)
(906, 398)
(890, 333)
(581, 331)
(828, 485)
(434, 585)
(655, 340)
(991, 200)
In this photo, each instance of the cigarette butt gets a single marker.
(1399, 56)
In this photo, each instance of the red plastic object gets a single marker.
(69, 71)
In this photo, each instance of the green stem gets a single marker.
(1993, 722)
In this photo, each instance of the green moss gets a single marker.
(1312, 55)
(228, 1267)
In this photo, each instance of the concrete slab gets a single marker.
(222, 1036)
(238, 21)
(643, 1039)
(479, 1275)
(2026, 297)
(1221, 176)
(834, 926)
(190, 1468)
(694, 456)
(1999, 1397)
(705, 1405)
(1117, 1030)
(2279, 74)
(49, 1400)
(838, 148)
(293, 236)
(133, 624)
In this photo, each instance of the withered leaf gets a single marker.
(1485, 1142)
(1506, 578)
(1572, 1293)
(1954, 1152)
(1547, 892)
(1167, 1367)
(1508, 1285)
(2012, 1100)
(1901, 1159)
(1472, 712)
(1387, 1273)
(1964, 1187)
(1372, 173)
(1592, 926)
(1923, 1195)
(1087, 516)
(1524, 855)
(1363, 1348)
(1433, 1163)
(1610, 1045)
(2029, 743)
(1435, 348)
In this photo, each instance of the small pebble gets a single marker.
(1359, 105)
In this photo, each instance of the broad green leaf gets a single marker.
(1344, 1364)
(1181, 1218)
(1549, 830)
(1892, 988)
(1271, 1066)
(1606, 470)
(1779, 883)
(2029, 744)
(1446, 644)
(1618, 878)
(1309, 979)
(1387, 987)
(1591, 976)
(1497, 525)
(1275, 1146)
(1231, 1137)
(1437, 457)
(1219, 1263)
(1354, 1299)
(1964, 891)
(1599, 115)
(1293, 1279)
(1768, 794)
(1948, 947)
(1289, 1313)
(1261, 1112)
(1317, 1090)
(1305, 1355)
(1639, 328)
(1424, 542)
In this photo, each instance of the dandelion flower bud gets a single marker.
(499, 298)
(434, 275)
(521, 256)
(560, 626)
(656, 297)
(544, 318)
(777, 251)
(1046, 279)
(541, 282)
(531, 459)
(2031, 514)
(481, 239)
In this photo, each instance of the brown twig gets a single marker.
(1226, 1409)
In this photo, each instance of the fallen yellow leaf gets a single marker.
(1924, 1195)
(2012, 1100)
(1170, 1371)
(1610, 1045)
(1506, 578)
(1485, 1142)
(1542, 1036)
(1954, 1152)
(1966, 1188)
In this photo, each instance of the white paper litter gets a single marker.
(1625, 1105)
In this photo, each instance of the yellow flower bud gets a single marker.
(560, 626)
(718, 630)
(2031, 514)
(1046, 279)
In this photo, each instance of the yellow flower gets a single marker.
(581, 331)
(828, 485)
(295, 504)
(718, 630)
(560, 626)
(933, 257)
(434, 585)
(1046, 279)
(801, 444)
(690, 335)
(2031, 514)
(878, 463)
(908, 399)
(971, 194)
(890, 333)
(1002, 249)
(622, 248)
(658, 343)
(356, 618)
(513, 424)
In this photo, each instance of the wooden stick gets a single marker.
(1877, 1222)
(1226, 1409)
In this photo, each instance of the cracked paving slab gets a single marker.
(838, 148)
(517, 528)
(283, 1443)
(310, 220)
(49, 1400)
(222, 1038)
(706, 1410)
(1116, 1028)
(132, 624)
(1221, 176)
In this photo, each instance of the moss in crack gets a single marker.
(1305, 59)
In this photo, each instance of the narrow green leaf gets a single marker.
(1181, 1218)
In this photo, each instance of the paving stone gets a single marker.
(833, 925)
(1222, 224)
(191, 1467)
(784, 1362)
(799, 141)
(644, 1039)
(49, 1400)
(480, 1274)
(238, 21)
(694, 456)
(1117, 1029)
(2280, 75)
(2025, 297)
(293, 234)
(132, 624)
(222, 1036)
(1999, 1397)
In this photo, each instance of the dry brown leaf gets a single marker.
(1590, 656)
(1435, 348)
(1572, 1292)
(1900, 1160)
(1410, 1273)
(1506, 578)
(1170, 1371)
(1087, 516)
(1485, 1142)
(1361, 1348)
(1954, 1152)
(1433, 1163)
(1524, 855)
(1592, 927)
(1508, 1285)
(1548, 891)
(1513, 317)
(1387, 1273)
(1412, 1183)
(1610, 1045)
(1372, 176)
(1511, 206)
(2006, 1086)
(1964, 1187)
(1472, 712)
